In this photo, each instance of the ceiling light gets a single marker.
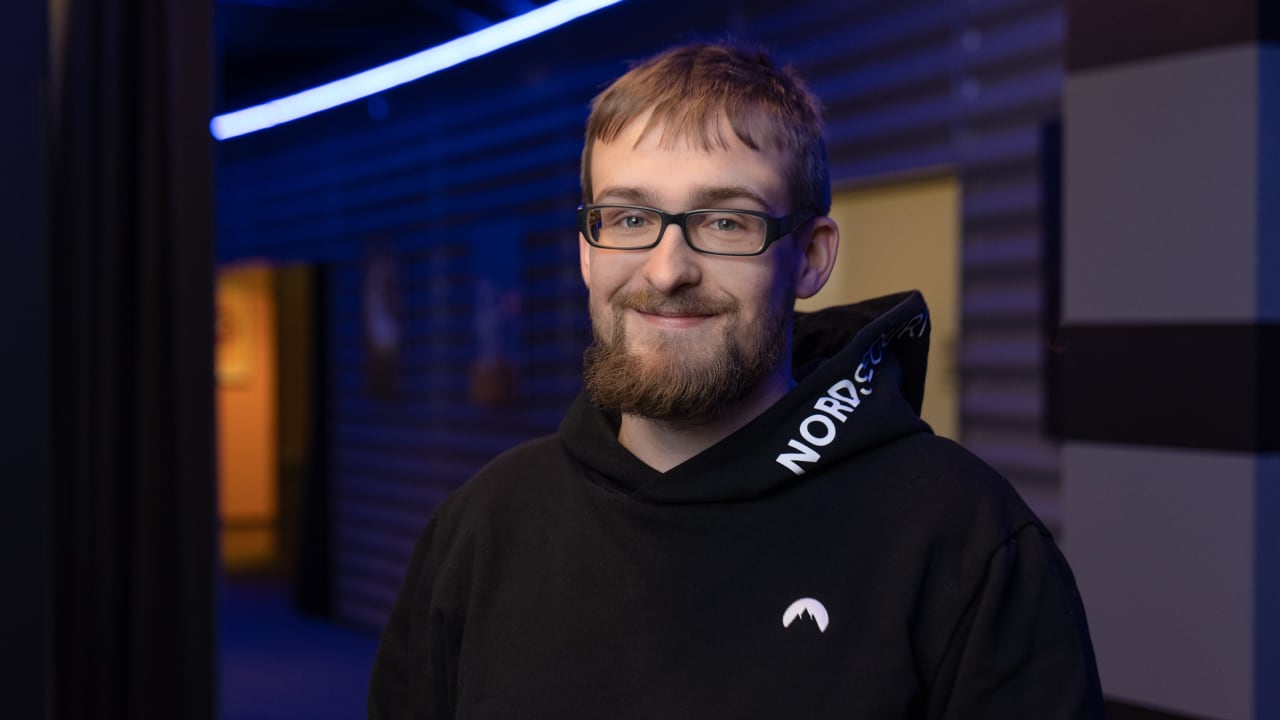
(399, 72)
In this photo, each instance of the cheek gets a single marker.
(609, 275)
(596, 301)
(770, 293)
(599, 307)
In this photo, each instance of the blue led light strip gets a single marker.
(398, 72)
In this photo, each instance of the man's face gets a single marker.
(680, 336)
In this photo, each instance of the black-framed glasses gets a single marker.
(711, 231)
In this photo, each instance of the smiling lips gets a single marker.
(682, 310)
(673, 320)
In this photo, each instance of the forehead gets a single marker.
(677, 170)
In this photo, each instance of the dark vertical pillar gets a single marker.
(24, 364)
(129, 283)
(1171, 333)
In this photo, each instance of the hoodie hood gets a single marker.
(859, 373)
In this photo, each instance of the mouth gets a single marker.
(674, 320)
(675, 312)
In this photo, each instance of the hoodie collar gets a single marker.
(860, 381)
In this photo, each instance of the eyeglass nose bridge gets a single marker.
(680, 220)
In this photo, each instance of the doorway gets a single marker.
(279, 653)
(247, 432)
(272, 482)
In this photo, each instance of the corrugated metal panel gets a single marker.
(883, 71)
(1010, 75)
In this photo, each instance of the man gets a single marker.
(742, 516)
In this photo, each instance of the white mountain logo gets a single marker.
(806, 606)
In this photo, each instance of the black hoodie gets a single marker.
(831, 559)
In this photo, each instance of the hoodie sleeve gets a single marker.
(414, 674)
(1022, 648)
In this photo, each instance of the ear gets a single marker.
(817, 256)
(584, 260)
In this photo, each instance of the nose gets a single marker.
(672, 264)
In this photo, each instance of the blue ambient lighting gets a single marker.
(398, 72)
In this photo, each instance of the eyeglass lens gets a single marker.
(721, 231)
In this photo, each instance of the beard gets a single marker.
(682, 382)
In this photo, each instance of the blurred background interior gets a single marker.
(1085, 192)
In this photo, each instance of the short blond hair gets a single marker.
(688, 89)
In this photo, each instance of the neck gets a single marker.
(663, 445)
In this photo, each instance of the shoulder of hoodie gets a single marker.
(943, 487)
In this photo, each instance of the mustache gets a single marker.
(684, 302)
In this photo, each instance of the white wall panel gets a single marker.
(1162, 546)
(1161, 190)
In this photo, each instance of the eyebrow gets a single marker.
(703, 197)
(710, 196)
(631, 195)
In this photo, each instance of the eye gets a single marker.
(624, 220)
(725, 223)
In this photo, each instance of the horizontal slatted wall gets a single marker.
(1010, 82)
(491, 186)
(882, 69)
(965, 85)
(474, 203)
